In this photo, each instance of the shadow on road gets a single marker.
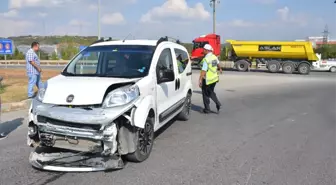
(167, 125)
(164, 128)
(196, 108)
(197, 92)
(7, 127)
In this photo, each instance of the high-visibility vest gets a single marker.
(211, 75)
(180, 66)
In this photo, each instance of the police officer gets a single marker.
(209, 78)
(180, 64)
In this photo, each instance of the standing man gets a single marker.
(33, 69)
(209, 78)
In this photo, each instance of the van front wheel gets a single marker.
(145, 141)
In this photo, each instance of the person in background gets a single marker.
(33, 69)
(209, 78)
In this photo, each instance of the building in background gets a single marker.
(317, 41)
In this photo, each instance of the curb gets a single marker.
(8, 107)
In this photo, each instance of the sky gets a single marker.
(182, 19)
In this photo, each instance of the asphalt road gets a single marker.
(273, 129)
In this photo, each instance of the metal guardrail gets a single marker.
(23, 62)
(53, 63)
(4, 63)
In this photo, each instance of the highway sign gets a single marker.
(6, 47)
(82, 48)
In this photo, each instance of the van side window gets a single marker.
(165, 60)
(182, 59)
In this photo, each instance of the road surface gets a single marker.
(273, 129)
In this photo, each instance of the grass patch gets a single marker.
(2, 88)
(15, 82)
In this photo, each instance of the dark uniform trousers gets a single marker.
(208, 91)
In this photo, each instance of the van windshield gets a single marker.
(123, 61)
(199, 44)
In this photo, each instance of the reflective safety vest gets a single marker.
(180, 66)
(211, 75)
(179, 63)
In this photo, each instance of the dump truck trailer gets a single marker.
(276, 55)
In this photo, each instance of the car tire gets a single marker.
(333, 69)
(304, 69)
(288, 68)
(185, 113)
(145, 141)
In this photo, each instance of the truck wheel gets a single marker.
(145, 142)
(333, 69)
(288, 68)
(242, 65)
(185, 113)
(273, 66)
(304, 69)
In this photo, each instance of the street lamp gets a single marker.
(213, 5)
(98, 19)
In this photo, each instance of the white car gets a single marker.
(324, 65)
(107, 103)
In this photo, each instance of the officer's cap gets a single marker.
(208, 47)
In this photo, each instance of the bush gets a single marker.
(2, 87)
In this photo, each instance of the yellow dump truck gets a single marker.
(276, 55)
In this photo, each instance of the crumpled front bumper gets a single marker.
(73, 162)
(85, 126)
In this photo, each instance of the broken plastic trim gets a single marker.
(69, 161)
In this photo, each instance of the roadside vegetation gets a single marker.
(13, 87)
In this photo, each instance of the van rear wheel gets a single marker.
(185, 113)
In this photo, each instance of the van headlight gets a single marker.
(121, 96)
(40, 94)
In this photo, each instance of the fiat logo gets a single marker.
(70, 98)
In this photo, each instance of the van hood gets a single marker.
(86, 90)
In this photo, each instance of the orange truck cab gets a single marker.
(198, 44)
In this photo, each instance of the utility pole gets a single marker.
(325, 41)
(213, 5)
(98, 19)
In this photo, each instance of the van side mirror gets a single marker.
(165, 75)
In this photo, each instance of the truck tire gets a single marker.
(333, 69)
(288, 67)
(242, 65)
(145, 141)
(273, 66)
(304, 68)
(184, 115)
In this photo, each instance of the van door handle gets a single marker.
(177, 84)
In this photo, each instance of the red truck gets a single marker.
(198, 44)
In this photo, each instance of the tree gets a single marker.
(54, 56)
(43, 55)
(327, 51)
(69, 51)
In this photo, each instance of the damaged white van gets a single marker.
(107, 103)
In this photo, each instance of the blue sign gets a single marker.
(6, 47)
(81, 48)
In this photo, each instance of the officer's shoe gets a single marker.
(218, 108)
(206, 111)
